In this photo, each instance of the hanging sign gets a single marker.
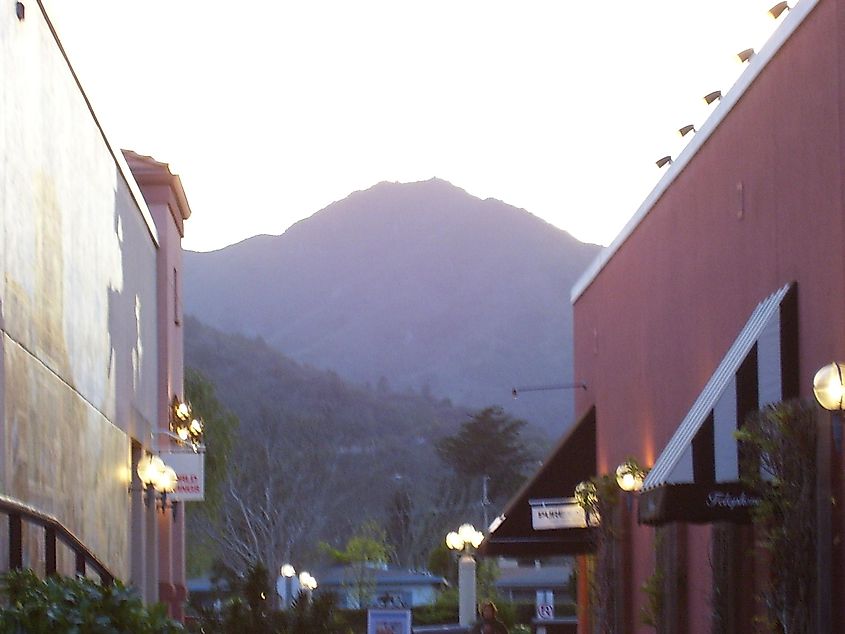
(190, 471)
(556, 513)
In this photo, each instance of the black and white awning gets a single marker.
(696, 477)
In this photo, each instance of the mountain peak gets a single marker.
(421, 283)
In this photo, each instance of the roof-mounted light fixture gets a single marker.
(712, 96)
(664, 160)
(745, 55)
(685, 130)
(779, 8)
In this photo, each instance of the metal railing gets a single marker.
(54, 532)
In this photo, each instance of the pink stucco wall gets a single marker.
(760, 205)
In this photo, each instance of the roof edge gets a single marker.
(794, 18)
(120, 163)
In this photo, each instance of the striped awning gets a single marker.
(696, 477)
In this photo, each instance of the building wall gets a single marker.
(78, 322)
(760, 205)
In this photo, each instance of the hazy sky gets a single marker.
(271, 110)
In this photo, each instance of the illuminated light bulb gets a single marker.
(167, 480)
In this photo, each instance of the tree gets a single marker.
(366, 550)
(778, 460)
(220, 429)
(419, 516)
(489, 444)
(274, 495)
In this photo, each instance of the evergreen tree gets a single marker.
(488, 445)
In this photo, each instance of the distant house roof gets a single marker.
(338, 575)
(549, 577)
(755, 66)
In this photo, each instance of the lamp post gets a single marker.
(308, 584)
(287, 571)
(829, 390)
(465, 541)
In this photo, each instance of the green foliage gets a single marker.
(443, 610)
(373, 439)
(489, 444)
(779, 462)
(319, 615)
(247, 609)
(368, 545)
(652, 610)
(220, 429)
(62, 604)
(364, 550)
(600, 499)
(441, 562)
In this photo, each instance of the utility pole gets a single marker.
(485, 501)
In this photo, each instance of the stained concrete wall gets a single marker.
(78, 351)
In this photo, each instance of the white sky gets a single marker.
(271, 110)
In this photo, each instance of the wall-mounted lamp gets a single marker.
(184, 426)
(829, 387)
(685, 130)
(158, 479)
(664, 160)
(630, 476)
(712, 96)
(779, 8)
(745, 55)
(829, 390)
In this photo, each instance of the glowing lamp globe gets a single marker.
(454, 541)
(149, 469)
(629, 476)
(167, 480)
(828, 387)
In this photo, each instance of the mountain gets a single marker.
(415, 285)
(361, 447)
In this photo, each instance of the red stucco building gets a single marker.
(725, 292)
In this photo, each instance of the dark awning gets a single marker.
(571, 462)
(696, 477)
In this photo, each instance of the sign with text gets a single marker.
(190, 469)
(560, 513)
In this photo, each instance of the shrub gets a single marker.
(62, 604)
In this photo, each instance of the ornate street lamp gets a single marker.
(465, 541)
(288, 571)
